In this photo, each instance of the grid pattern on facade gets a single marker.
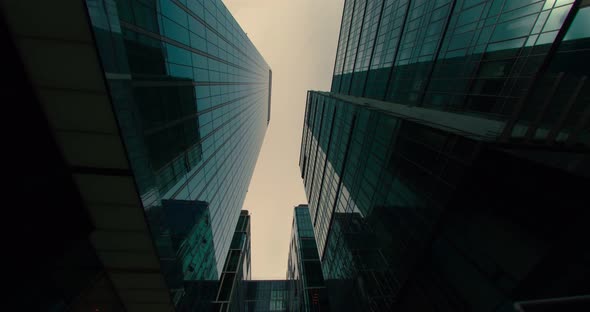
(266, 296)
(236, 268)
(475, 57)
(192, 97)
(182, 235)
(407, 169)
(389, 165)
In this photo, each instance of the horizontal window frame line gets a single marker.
(142, 31)
(209, 27)
(143, 80)
(160, 83)
(172, 123)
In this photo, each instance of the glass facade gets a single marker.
(432, 165)
(192, 97)
(225, 294)
(404, 211)
(266, 296)
(360, 159)
(181, 230)
(518, 62)
(304, 265)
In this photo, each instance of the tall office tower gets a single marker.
(132, 107)
(192, 96)
(417, 214)
(433, 167)
(519, 63)
(304, 265)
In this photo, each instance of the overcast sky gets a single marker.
(298, 39)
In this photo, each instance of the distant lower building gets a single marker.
(304, 265)
(225, 294)
(236, 268)
(269, 295)
(181, 230)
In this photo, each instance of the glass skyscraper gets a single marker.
(452, 133)
(192, 97)
(521, 63)
(407, 212)
(146, 120)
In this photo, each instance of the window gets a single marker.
(580, 28)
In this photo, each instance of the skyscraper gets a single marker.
(517, 62)
(192, 96)
(452, 131)
(304, 265)
(405, 210)
(136, 108)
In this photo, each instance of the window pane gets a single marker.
(580, 28)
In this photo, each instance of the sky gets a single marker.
(298, 39)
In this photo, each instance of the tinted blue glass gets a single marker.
(411, 47)
(194, 107)
(499, 60)
(580, 27)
